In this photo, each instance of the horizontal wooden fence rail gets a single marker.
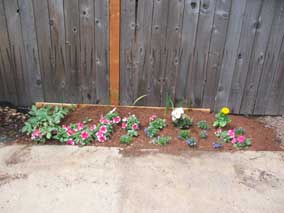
(199, 53)
(204, 53)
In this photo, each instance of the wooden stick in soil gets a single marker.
(42, 104)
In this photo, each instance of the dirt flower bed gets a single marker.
(262, 138)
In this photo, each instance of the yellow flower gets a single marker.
(225, 110)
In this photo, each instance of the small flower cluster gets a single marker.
(155, 126)
(180, 119)
(186, 136)
(131, 124)
(161, 140)
(36, 135)
(235, 136)
(222, 118)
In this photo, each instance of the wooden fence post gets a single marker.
(114, 40)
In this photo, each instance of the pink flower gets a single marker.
(101, 138)
(123, 125)
(152, 117)
(241, 139)
(124, 119)
(234, 141)
(218, 131)
(104, 121)
(92, 128)
(36, 134)
(65, 127)
(135, 126)
(116, 120)
(80, 126)
(70, 132)
(84, 135)
(70, 142)
(103, 129)
(231, 133)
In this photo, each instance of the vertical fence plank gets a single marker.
(250, 23)
(188, 37)
(87, 53)
(57, 36)
(217, 44)
(44, 47)
(200, 59)
(270, 61)
(257, 57)
(31, 50)
(230, 53)
(114, 50)
(102, 50)
(17, 53)
(173, 50)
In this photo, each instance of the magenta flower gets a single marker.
(70, 142)
(152, 117)
(123, 125)
(104, 121)
(36, 134)
(135, 126)
(234, 141)
(70, 132)
(116, 120)
(231, 133)
(80, 126)
(92, 128)
(84, 135)
(101, 138)
(103, 129)
(241, 139)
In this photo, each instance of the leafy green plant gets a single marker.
(125, 139)
(192, 142)
(183, 123)
(162, 140)
(131, 124)
(222, 118)
(203, 134)
(203, 125)
(44, 122)
(155, 126)
(184, 134)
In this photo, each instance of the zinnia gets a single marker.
(225, 110)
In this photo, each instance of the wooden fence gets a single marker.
(207, 53)
(202, 53)
(54, 50)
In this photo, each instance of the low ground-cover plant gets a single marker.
(161, 140)
(235, 136)
(131, 124)
(222, 118)
(203, 125)
(192, 142)
(184, 134)
(126, 139)
(43, 122)
(203, 134)
(180, 119)
(155, 126)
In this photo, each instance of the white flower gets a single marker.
(177, 113)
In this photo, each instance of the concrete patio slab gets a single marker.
(96, 179)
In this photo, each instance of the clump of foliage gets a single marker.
(161, 140)
(203, 134)
(180, 119)
(131, 124)
(126, 139)
(155, 126)
(203, 125)
(235, 136)
(222, 118)
(184, 134)
(43, 122)
(192, 142)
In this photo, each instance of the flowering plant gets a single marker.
(203, 134)
(192, 142)
(222, 118)
(161, 140)
(235, 136)
(43, 122)
(184, 134)
(131, 124)
(203, 125)
(180, 119)
(155, 126)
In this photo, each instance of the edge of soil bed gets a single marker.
(263, 139)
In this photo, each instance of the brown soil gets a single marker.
(263, 138)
